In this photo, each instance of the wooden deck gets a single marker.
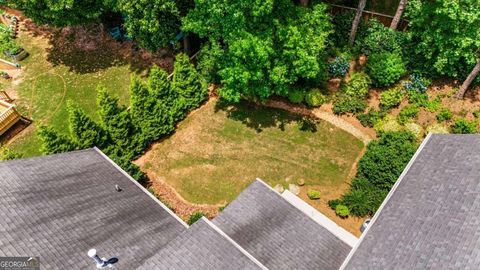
(8, 116)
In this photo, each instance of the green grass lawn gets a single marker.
(46, 87)
(216, 152)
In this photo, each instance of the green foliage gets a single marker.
(476, 114)
(195, 217)
(338, 67)
(385, 68)
(378, 170)
(149, 112)
(333, 203)
(381, 39)
(342, 211)
(408, 112)
(296, 96)
(153, 23)
(314, 98)
(268, 46)
(54, 142)
(418, 98)
(8, 154)
(346, 104)
(417, 83)
(85, 132)
(209, 62)
(463, 126)
(358, 85)
(446, 35)
(188, 85)
(370, 118)
(63, 12)
(118, 123)
(343, 24)
(313, 194)
(391, 98)
(7, 43)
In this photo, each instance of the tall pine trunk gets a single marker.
(468, 81)
(398, 14)
(356, 21)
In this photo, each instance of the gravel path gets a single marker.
(323, 115)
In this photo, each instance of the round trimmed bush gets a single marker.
(358, 85)
(346, 104)
(314, 98)
(313, 194)
(296, 96)
(385, 68)
(463, 126)
(391, 98)
(342, 211)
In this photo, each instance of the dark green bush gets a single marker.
(385, 68)
(343, 24)
(195, 217)
(307, 124)
(333, 203)
(342, 211)
(378, 169)
(358, 85)
(313, 194)
(8, 154)
(296, 96)
(370, 118)
(346, 104)
(314, 98)
(463, 126)
(379, 38)
(444, 115)
(407, 113)
(391, 98)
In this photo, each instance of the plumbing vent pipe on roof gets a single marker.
(101, 262)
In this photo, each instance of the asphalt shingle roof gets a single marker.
(58, 207)
(431, 220)
(278, 234)
(201, 247)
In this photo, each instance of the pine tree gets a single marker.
(117, 122)
(84, 131)
(188, 84)
(54, 142)
(148, 112)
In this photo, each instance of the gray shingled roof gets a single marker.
(58, 207)
(432, 218)
(202, 246)
(279, 235)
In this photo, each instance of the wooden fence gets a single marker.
(8, 117)
(367, 15)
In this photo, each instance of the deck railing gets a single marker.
(8, 117)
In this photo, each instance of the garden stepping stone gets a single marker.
(294, 189)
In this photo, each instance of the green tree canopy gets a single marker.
(268, 46)
(64, 12)
(447, 34)
(153, 23)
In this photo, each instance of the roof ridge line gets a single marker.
(335, 229)
(386, 200)
(141, 187)
(235, 244)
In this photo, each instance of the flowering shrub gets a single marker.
(338, 67)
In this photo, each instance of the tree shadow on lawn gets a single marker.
(258, 117)
(89, 49)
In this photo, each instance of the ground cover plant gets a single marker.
(217, 151)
